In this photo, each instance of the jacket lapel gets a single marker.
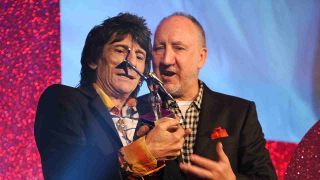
(98, 107)
(207, 122)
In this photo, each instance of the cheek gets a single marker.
(185, 67)
(156, 68)
(104, 74)
(105, 71)
(156, 60)
(141, 66)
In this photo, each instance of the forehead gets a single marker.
(177, 28)
(125, 40)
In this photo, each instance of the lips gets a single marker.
(167, 73)
(128, 75)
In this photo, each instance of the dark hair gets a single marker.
(193, 20)
(114, 29)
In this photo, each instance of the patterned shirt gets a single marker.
(125, 120)
(189, 121)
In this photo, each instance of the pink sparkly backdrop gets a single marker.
(305, 160)
(281, 153)
(30, 61)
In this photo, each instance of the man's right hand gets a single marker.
(166, 139)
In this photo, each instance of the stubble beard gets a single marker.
(174, 90)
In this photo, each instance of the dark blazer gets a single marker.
(75, 135)
(245, 145)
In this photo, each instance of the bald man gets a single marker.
(226, 141)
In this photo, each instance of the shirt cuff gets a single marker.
(137, 158)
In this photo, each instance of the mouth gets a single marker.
(167, 73)
(127, 76)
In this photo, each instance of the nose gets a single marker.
(132, 58)
(168, 57)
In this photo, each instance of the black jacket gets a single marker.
(245, 145)
(75, 135)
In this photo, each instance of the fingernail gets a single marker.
(221, 145)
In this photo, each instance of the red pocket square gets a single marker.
(219, 133)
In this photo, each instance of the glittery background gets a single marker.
(280, 153)
(305, 162)
(29, 62)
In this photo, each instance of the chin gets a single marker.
(126, 92)
(172, 88)
(126, 88)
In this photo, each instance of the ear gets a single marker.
(93, 66)
(203, 57)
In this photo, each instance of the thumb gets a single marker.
(221, 155)
(143, 130)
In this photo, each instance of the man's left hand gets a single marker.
(204, 168)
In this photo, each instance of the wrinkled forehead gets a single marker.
(177, 26)
(117, 37)
(177, 21)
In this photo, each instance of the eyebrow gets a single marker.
(121, 45)
(173, 43)
(178, 43)
(140, 51)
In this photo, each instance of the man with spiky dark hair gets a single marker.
(87, 132)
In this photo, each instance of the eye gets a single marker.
(141, 57)
(179, 48)
(120, 50)
(158, 48)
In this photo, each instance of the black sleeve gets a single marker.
(254, 162)
(65, 150)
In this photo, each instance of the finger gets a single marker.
(166, 122)
(163, 119)
(179, 132)
(203, 162)
(187, 132)
(173, 128)
(167, 119)
(168, 158)
(195, 171)
(221, 155)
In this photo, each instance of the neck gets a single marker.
(118, 99)
(188, 94)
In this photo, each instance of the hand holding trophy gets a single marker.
(166, 138)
